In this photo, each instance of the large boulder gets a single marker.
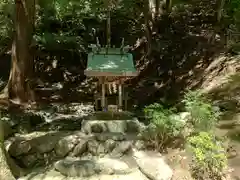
(109, 145)
(113, 166)
(19, 147)
(93, 126)
(33, 143)
(55, 175)
(74, 167)
(121, 149)
(113, 136)
(153, 165)
(77, 168)
(31, 160)
(80, 148)
(65, 145)
(113, 126)
(45, 144)
(93, 147)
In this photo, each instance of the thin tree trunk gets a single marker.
(148, 29)
(169, 5)
(151, 11)
(19, 84)
(157, 9)
(221, 4)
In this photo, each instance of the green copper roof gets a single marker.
(111, 62)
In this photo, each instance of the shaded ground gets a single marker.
(229, 128)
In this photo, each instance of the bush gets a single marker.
(204, 116)
(163, 128)
(209, 156)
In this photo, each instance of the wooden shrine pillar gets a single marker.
(103, 104)
(125, 100)
(120, 96)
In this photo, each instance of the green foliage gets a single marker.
(6, 23)
(163, 128)
(204, 116)
(71, 25)
(209, 157)
(232, 13)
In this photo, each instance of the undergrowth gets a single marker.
(166, 125)
(163, 129)
(208, 155)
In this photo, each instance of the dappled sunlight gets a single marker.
(109, 65)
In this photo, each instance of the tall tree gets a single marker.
(19, 84)
(152, 9)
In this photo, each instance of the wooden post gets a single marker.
(120, 96)
(96, 103)
(96, 96)
(126, 100)
(103, 93)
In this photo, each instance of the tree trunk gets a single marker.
(157, 10)
(19, 83)
(169, 5)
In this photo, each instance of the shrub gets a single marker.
(203, 115)
(209, 156)
(163, 128)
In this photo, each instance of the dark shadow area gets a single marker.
(61, 124)
(228, 126)
(5, 64)
(234, 135)
(170, 85)
(182, 49)
(48, 117)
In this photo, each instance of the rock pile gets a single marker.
(101, 149)
(96, 138)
